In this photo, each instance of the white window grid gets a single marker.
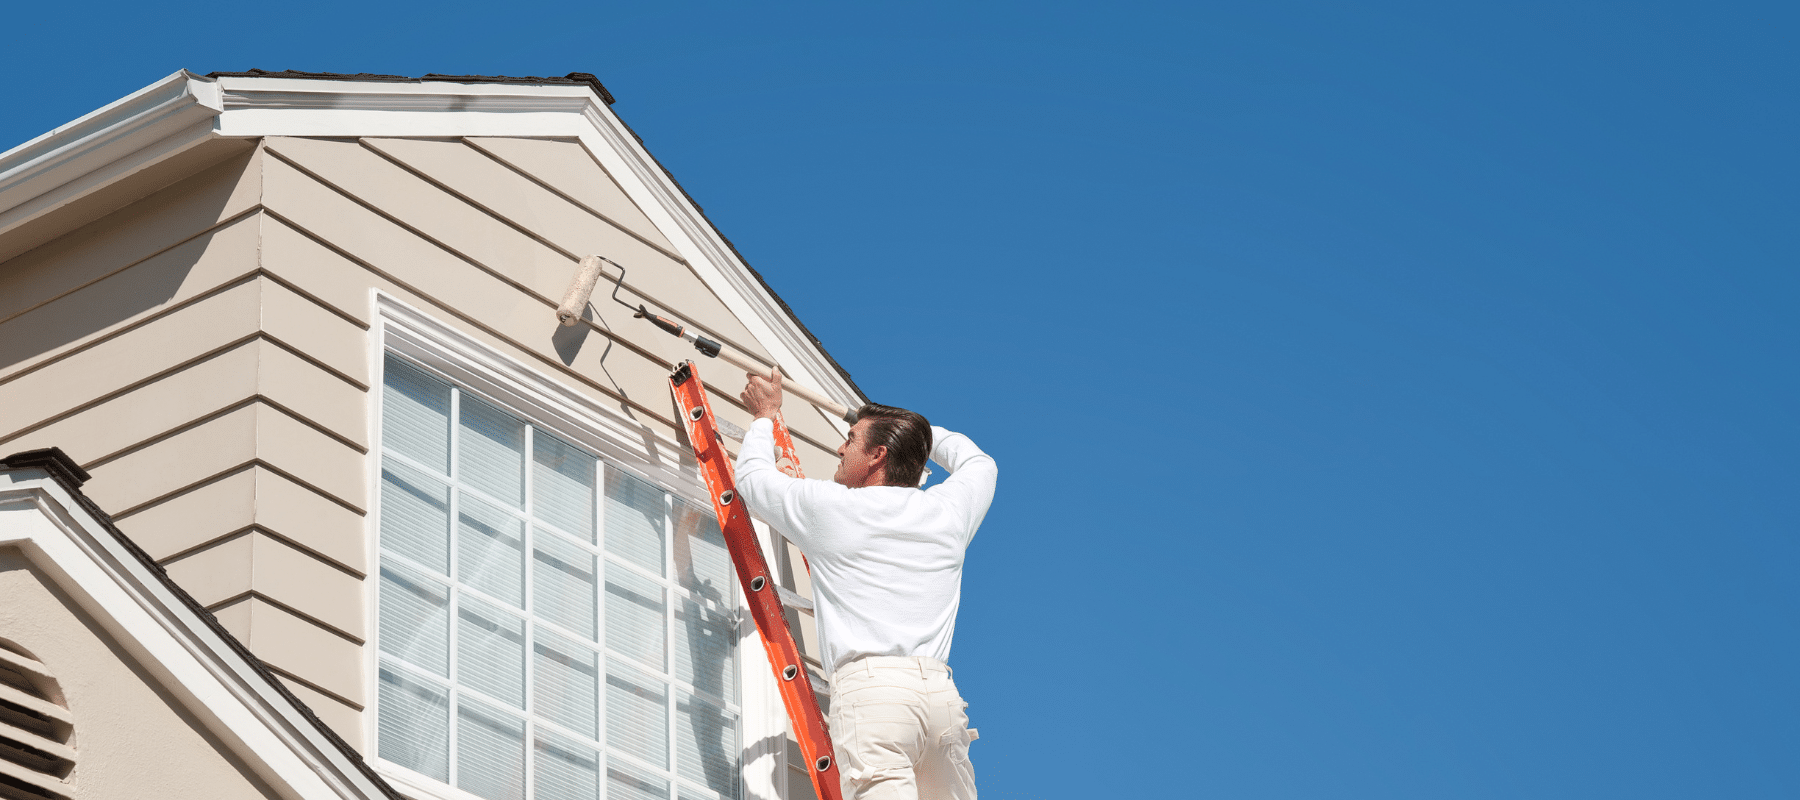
(679, 787)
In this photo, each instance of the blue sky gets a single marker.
(1393, 400)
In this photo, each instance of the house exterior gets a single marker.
(294, 338)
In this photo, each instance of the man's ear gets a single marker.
(878, 460)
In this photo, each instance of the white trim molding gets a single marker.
(486, 371)
(131, 134)
(194, 662)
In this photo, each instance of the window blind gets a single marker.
(490, 451)
(416, 518)
(542, 612)
(634, 615)
(490, 753)
(563, 583)
(637, 720)
(567, 683)
(625, 782)
(414, 729)
(634, 520)
(566, 769)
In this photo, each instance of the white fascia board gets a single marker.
(311, 107)
(303, 107)
(130, 134)
(214, 682)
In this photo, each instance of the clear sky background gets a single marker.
(1393, 400)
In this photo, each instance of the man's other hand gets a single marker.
(762, 395)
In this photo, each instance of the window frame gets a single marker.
(539, 400)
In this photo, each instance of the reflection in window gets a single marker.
(550, 625)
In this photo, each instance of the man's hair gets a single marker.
(905, 434)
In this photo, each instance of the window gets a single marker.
(550, 625)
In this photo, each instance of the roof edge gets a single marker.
(574, 78)
(181, 90)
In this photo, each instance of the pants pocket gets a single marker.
(885, 734)
(955, 780)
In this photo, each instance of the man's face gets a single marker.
(857, 467)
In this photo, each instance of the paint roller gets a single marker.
(575, 301)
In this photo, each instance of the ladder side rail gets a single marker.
(787, 460)
(758, 583)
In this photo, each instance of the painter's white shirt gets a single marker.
(886, 560)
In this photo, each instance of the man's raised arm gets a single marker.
(972, 473)
(773, 497)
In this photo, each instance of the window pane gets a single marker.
(490, 751)
(415, 515)
(702, 562)
(415, 723)
(467, 489)
(563, 583)
(490, 549)
(415, 619)
(415, 414)
(635, 520)
(490, 651)
(491, 451)
(705, 626)
(706, 647)
(634, 615)
(706, 744)
(566, 770)
(637, 710)
(626, 782)
(567, 683)
(562, 491)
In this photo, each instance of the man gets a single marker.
(886, 563)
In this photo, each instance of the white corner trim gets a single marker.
(180, 105)
(194, 663)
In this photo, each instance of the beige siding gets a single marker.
(255, 563)
(407, 207)
(472, 268)
(221, 411)
(120, 240)
(569, 170)
(206, 354)
(297, 648)
(255, 496)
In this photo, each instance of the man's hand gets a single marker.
(763, 395)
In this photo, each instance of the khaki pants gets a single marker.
(900, 731)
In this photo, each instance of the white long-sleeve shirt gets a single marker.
(886, 560)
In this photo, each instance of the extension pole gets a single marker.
(575, 301)
(714, 349)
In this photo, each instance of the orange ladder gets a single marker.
(754, 574)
